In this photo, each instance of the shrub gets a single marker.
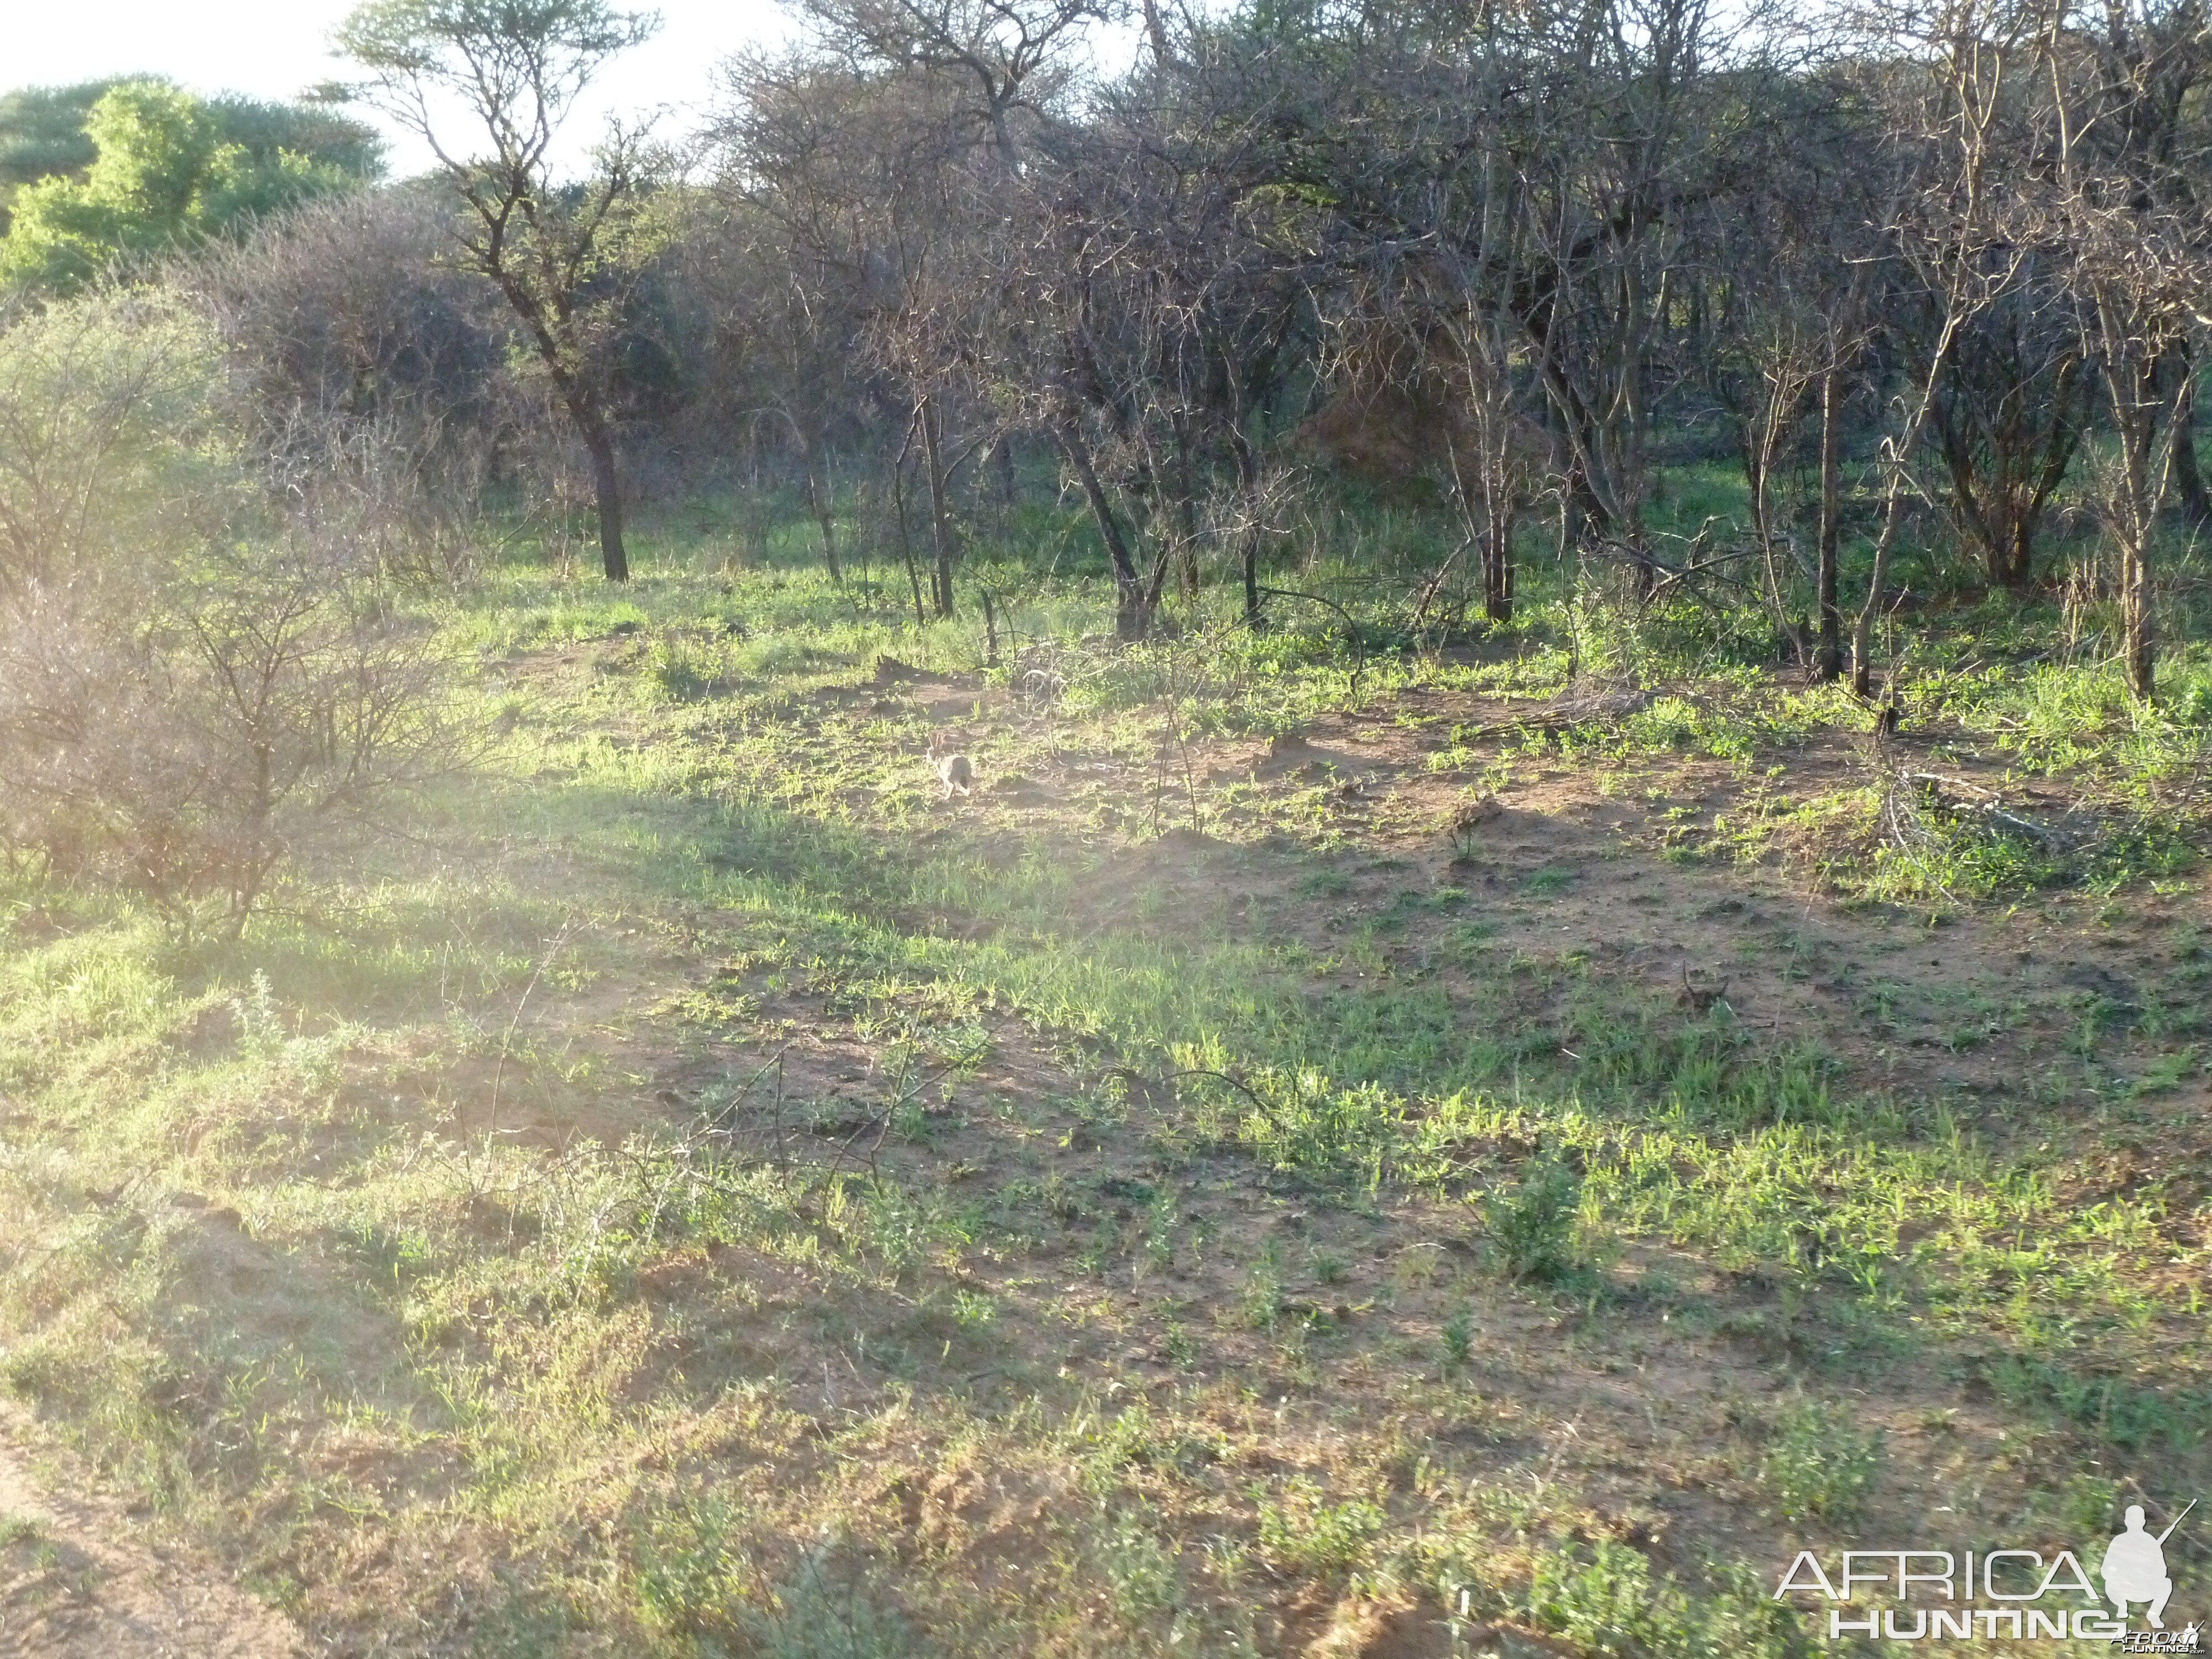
(1613, 1603)
(1301, 1533)
(370, 371)
(1820, 1467)
(108, 445)
(195, 687)
(1459, 1337)
(826, 1611)
(1532, 1227)
(184, 738)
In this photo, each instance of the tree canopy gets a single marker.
(99, 171)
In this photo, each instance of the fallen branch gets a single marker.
(1562, 714)
(1991, 808)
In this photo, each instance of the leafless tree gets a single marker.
(787, 323)
(2123, 150)
(2010, 411)
(1946, 90)
(878, 179)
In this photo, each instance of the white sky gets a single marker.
(276, 48)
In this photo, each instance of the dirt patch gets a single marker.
(76, 1582)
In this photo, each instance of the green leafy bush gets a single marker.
(1612, 1603)
(1532, 1226)
(1301, 1532)
(167, 170)
(1818, 1466)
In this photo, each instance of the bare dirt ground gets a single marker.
(78, 1582)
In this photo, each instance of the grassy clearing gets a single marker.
(707, 1193)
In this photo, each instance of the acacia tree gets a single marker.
(1007, 55)
(893, 148)
(1083, 348)
(1447, 284)
(786, 324)
(1517, 189)
(1790, 259)
(961, 89)
(558, 255)
(1631, 131)
(1147, 328)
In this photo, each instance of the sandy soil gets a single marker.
(78, 1582)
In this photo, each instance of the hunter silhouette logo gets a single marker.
(2016, 1594)
(2135, 1567)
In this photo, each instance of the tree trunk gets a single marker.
(1766, 437)
(906, 534)
(1762, 529)
(582, 404)
(1155, 33)
(943, 535)
(1893, 520)
(1828, 663)
(1895, 488)
(817, 499)
(1131, 621)
(2188, 479)
(1247, 485)
(2013, 553)
(606, 488)
(2136, 620)
(1186, 513)
(1501, 512)
(1497, 566)
(2143, 478)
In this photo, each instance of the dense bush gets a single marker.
(111, 441)
(196, 684)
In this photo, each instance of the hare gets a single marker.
(954, 770)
